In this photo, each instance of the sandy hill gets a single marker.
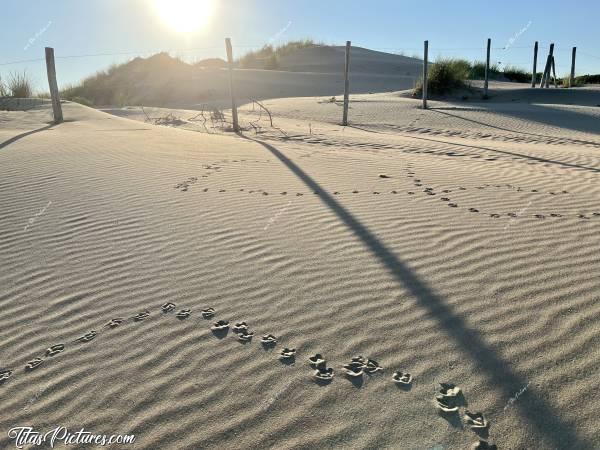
(362, 60)
(163, 80)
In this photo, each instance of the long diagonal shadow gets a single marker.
(506, 152)
(535, 410)
(22, 135)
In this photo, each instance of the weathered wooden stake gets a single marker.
(554, 73)
(549, 66)
(234, 113)
(51, 69)
(346, 84)
(572, 78)
(535, 53)
(487, 69)
(425, 63)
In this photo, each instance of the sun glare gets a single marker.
(184, 16)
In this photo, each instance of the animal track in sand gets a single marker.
(402, 378)
(87, 337)
(268, 340)
(5, 374)
(168, 307)
(114, 323)
(445, 404)
(245, 336)
(316, 360)
(354, 369)
(33, 364)
(183, 314)
(239, 327)
(475, 420)
(372, 367)
(141, 316)
(55, 350)
(208, 313)
(324, 374)
(288, 354)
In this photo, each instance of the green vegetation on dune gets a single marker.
(449, 75)
(268, 56)
(17, 85)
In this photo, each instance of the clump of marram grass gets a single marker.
(268, 56)
(445, 76)
(19, 85)
(477, 71)
(512, 73)
(3, 88)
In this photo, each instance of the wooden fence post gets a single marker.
(51, 69)
(346, 84)
(535, 53)
(425, 62)
(549, 66)
(572, 78)
(554, 73)
(234, 113)
(487, 69)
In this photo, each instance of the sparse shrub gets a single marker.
(272, 62)
(589, 79)
(82, 101)
(516, 74)
(268, 56)
(566, 81)
(19, 85)
(477, 71)
(445, 76)
(3, 88)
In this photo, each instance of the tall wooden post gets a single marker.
(572, 78)
(346, 84)
(549, 66)
(51, 69)
(234, 113)
(425, 63)
(534, 75)
(554, 73)
(487, 69)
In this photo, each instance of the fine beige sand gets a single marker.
(294, 231)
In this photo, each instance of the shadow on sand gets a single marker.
(537, 412)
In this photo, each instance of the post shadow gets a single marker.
(506, 152)
(536, 410)
(22, 135)
(545, 116)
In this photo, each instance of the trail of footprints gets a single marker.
(425, 190)
(447, 400)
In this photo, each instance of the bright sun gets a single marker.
(184, 16)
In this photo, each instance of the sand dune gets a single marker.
(297, 233)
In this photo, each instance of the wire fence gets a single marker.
(207, 90)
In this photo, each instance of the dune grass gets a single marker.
(268, 56)
(18, 85)
(445, 76)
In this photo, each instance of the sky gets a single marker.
(90, 35)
